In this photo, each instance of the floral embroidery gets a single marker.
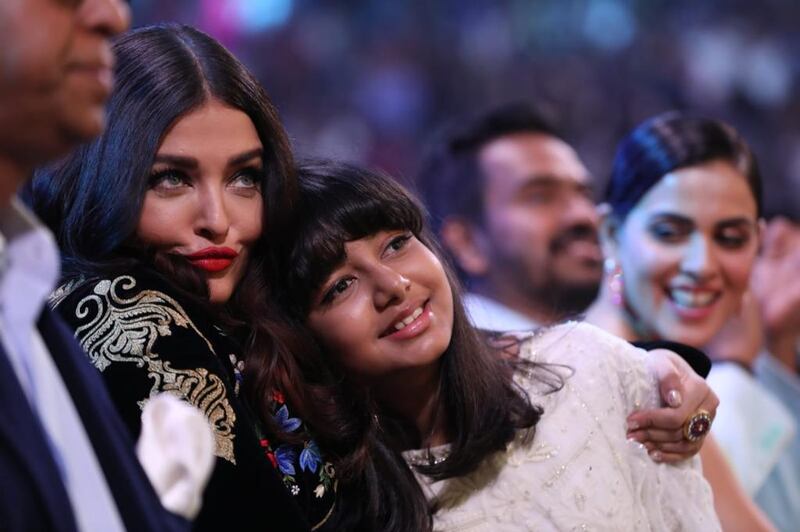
(238, 368)
(310, 457)
(286, 456)
(268, 452)
(293, 462)
(286, 423)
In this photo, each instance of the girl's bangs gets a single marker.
(336, 211)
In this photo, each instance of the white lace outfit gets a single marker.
(579, 472)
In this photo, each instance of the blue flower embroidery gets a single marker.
(287, 424)
(310, 457)
(286, 457)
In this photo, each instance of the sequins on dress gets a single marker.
(579, 472)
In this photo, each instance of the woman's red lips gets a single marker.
(213, 259)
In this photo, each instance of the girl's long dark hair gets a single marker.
(92, 200)
(482, 405)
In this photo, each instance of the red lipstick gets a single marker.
(213, 259)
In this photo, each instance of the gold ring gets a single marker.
(697, 426)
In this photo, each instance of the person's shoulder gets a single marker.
(601, 365)
(126, 316)
(491, 315)
(120, 295)
(66, 293)
(579, 341)
(118, 285)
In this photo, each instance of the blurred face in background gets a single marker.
(204, 199)
(540, 220)
(55, 73)
(686, 252)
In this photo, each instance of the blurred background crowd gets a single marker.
(371, 81)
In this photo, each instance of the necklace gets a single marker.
(428, 457)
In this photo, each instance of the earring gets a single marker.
(614, 273)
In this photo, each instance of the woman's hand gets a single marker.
(685, 393)
(776, 290)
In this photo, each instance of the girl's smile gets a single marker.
(388, 307)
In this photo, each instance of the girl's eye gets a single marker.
(337, 289)
(168, 180)
(248, 179)
(399, 242)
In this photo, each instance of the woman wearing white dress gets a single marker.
(681, 236)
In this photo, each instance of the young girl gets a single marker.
(510, 433)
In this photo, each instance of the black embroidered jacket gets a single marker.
(144, 341)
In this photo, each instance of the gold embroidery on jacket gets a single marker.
(62, 292)
(124, 329)
(205, 391)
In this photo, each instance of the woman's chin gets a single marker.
(219, 293)
(695, 334)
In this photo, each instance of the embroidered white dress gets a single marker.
(579, 472)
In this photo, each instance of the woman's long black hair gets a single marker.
(483, 406)
(92, 200)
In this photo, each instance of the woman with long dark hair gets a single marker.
(158, 222)
(510, 432)
(680, 238)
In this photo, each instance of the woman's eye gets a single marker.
(732, 238)
(167, 180)
(399, 242)
(247, 179)
(337, 289)
(667, 232)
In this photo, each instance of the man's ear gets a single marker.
(609, 231)
(466, 243)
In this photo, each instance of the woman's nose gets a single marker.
(698, 260)
(213, 220)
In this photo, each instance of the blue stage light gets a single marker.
(257, 15)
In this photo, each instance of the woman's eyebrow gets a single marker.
(740, 220)
(185, 161)
(182, 161)
(246, 156)
(672, 217)
(686, 221)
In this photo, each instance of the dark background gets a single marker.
(371, 81)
